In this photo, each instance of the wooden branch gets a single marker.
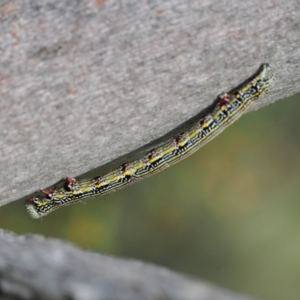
(32, 267)
(85, 82)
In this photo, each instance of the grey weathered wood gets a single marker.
(32, 267)
(85, 82)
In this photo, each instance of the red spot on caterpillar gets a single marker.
(32, 199)
(70, 181)
(224, 99)
(48, 193)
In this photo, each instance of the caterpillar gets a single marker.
(227, 109)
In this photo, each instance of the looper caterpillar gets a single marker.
(228, 108)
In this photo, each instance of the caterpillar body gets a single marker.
(229, 107)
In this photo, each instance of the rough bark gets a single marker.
(32, 267)
(85, 82)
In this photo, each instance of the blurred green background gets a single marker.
(228, 214)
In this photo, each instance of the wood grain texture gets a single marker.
(85, 82)
(32, 267)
